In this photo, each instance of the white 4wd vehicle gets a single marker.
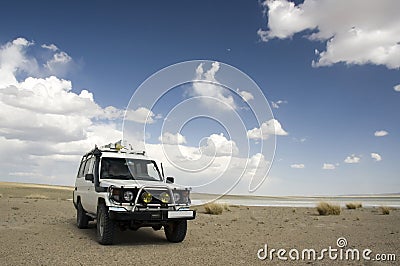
(119, 187)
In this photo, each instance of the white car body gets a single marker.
(135, 198)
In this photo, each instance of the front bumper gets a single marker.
(152, 215)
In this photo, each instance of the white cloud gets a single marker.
(301, 140)
(277, 104)
(397, 87)
(212, 90)
(141, 115)
(297, 166)
(12, 58)
(50, 47)
(58, 63)
(376, 157)
(219, 145)
(355, 32)
(352, 159)
(380, 133)
(16, 61)
(247, 96)
(22, 42)
(328, 166)
(173, 139)
(44, 123)
(209, 172)
(271, 127)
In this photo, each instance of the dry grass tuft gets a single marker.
(36, 196)
(384, 210)
(353, 206)
(214, 208)
(325, 208)
(226, 207)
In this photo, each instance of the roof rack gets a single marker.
(117, 147)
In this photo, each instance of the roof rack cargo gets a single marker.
(116, 147)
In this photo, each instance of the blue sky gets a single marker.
(331, 109)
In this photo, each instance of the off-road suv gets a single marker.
(118, 187)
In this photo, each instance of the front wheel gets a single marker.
(105, 226)
(176, 231)
(82, 220)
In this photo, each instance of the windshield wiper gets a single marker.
(119, 177)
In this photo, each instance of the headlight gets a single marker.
(164, 197)
(146, 197)
(182, 196)
(177, 196)
(128, 195)
(114, 193)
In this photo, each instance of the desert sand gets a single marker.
(37, 227)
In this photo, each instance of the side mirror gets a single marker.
(89, 177)
(170, 179)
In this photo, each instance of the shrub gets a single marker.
(324, 208)
(213, 208)
(352, 206)
(36, 196)
(226, 207)
(384, 210)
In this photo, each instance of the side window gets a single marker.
(81, 167)
(89, 166)
(139, 168)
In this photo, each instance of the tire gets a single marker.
(175, 232)
(82, 220)
(105, 226)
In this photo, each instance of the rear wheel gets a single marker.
(82, 220)
(105, 226)
(176, 231)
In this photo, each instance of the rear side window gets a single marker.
(82, 167)
(89, 166)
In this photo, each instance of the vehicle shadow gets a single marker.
(143, 236)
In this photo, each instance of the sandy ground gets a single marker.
(37, 227)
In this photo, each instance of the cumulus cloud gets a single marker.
(219, 145)
(44, 123)
(397, 87)
(22, 42)
(15, 62)
(354, 32)
(380, 133)
(141, 115)
(246, 96)
(211, 89)
(376, 157)
(216, 172)
(352, 159)
(271, 127)
(328, 166)
(173, 139)
(51, 47)
(58, 63)
(297, 166)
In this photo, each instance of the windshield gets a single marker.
(120, 168)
